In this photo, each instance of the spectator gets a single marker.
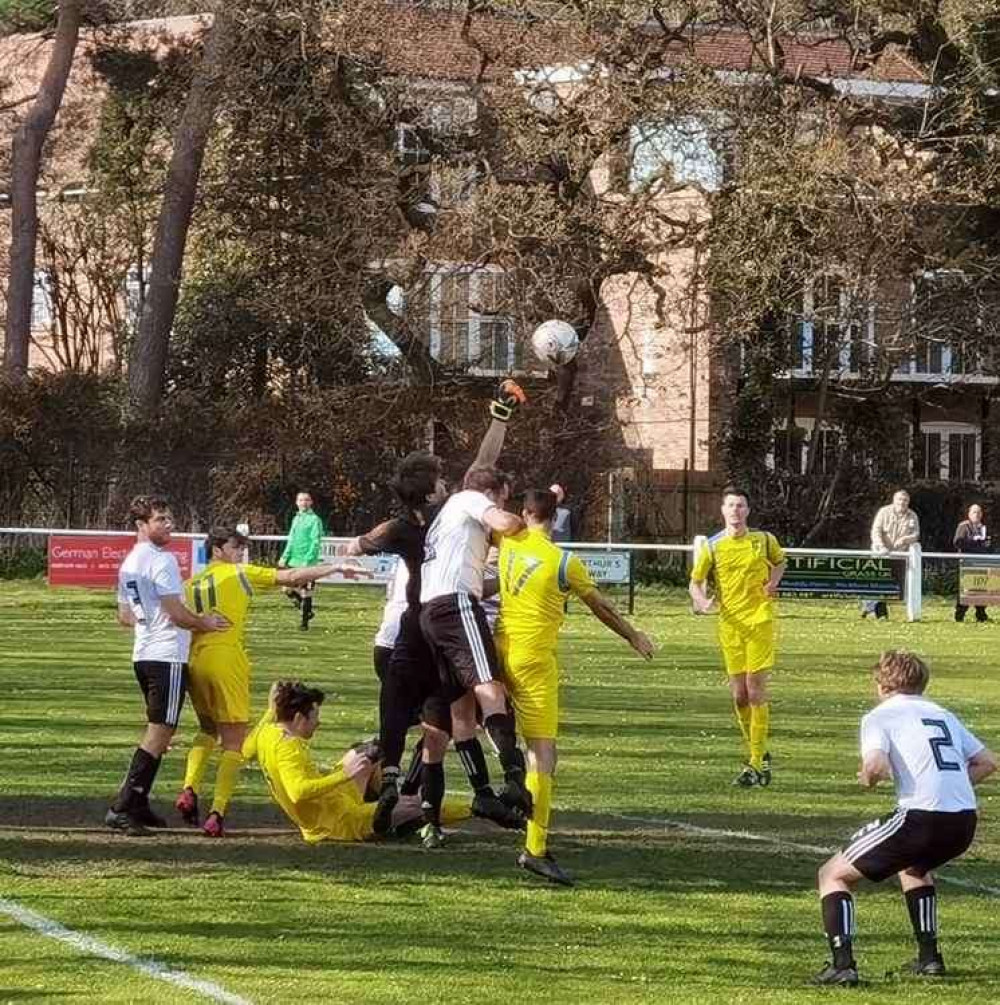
(894, 528)
(564, 520)
(971, 538)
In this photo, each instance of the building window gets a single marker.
(948, 451)
(679, 151)
(467, 328)
(41, 299)
(790, 452)
(835, 331)
(946, 324)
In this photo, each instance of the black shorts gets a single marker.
(910, 839)
(411, 678)
(382, 655)
(459, 636)
(163, 686)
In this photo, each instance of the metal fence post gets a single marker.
(914, 582)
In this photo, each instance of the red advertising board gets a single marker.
(93, 560)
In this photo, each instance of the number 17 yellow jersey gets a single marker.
(225, 588)
(536, 576)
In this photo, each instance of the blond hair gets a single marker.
(901, 671)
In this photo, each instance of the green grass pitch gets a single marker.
(661, 913)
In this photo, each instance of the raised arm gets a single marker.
(605, 612)
(507, 399)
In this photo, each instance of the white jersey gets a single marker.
(491, 604)
(147, 574)
(928, 748)
(456, 547)
(395, 605)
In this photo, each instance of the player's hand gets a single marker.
(215, 623)
(770, 589)
(643, 645)
(706, 606)
(507, 398)
(371, 749)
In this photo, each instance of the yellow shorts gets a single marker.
(219, 683)
(532, 682)
(747, 648)
(345, 816)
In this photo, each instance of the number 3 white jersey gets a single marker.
(147, 574)
(928, 748)
(456, 547)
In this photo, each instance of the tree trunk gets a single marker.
(148, 359)
(26, 162)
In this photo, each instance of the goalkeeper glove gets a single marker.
(508, 396)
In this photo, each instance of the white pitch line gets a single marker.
(777, 842)
(94, 947)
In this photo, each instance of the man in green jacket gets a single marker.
(303, 548)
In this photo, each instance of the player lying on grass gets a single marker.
(219, 670)
(325, 806)
(536, 578)
(934, 761)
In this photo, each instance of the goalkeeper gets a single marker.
(411, 688)
(324, 806)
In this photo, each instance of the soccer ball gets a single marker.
(555, 342)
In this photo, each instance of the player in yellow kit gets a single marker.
(747, 566)
(219, 682)
(536, 577)
(324, 806)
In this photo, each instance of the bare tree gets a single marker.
(148, 358)
(26, 162)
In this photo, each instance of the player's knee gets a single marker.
(435, 743)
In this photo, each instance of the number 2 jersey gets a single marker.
(147, 574)
(225, 588)
(928, 748)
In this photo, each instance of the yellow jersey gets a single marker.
(324, 806)
(741, 567)
(536, 576)
(225, 588)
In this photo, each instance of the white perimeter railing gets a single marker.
(913, 557)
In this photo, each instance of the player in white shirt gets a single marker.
(934, 761)
(454, 622)
(149, 601)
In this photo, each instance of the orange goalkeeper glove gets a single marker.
(506, 400)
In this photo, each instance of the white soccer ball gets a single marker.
(555, 342)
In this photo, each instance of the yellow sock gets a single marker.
(540, 786)
(225, 780)
(760, 727)
(197, 760)
(743, 713)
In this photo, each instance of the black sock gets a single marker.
(922, 905)
(470, 753)
(838, 922)
(500, 726)
(432, 793)
(138, 781)
(412, 781)
(307, 608)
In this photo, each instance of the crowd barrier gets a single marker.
(91, 558)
